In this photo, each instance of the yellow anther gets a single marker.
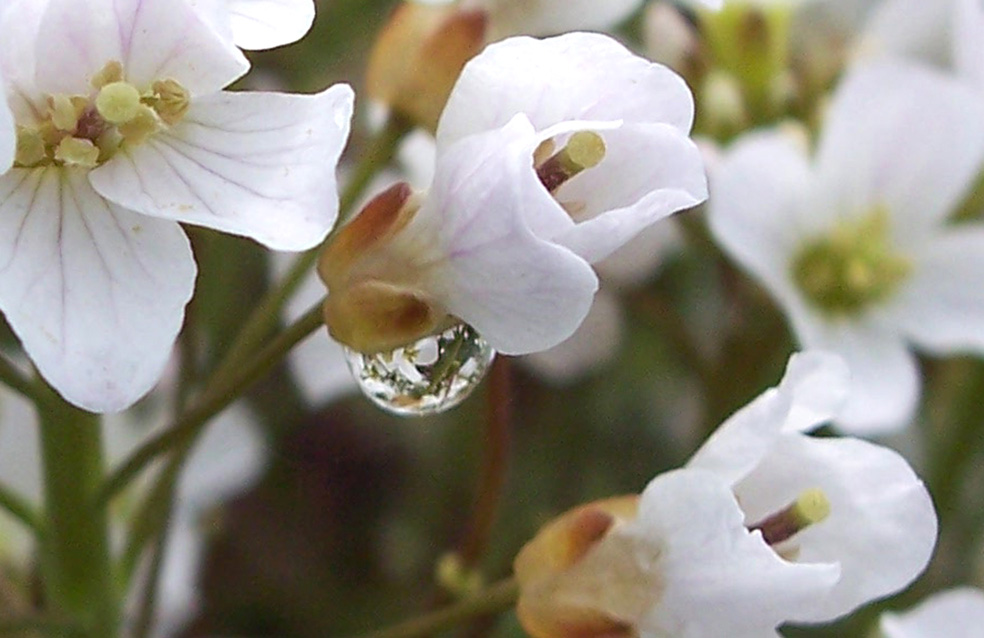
(812, 506)
(809, 508)
(143, 124)
(118, 102)
(30, 147)
(112, 72)
(73, 151)
(584, 150)
(64, 112)
(171, 101)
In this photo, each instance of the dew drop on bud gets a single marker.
(428, 377)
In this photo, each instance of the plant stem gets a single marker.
(19, 382)
(76, 566)
(495, 599)
(213, 400)
(21, 510)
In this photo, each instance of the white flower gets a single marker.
(505, 237)
(550, 17)
(765, 525)
(258, 24)
(94, 267)
(956, 613)
(854, 244)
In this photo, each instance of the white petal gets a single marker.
(8, 133)
(955, 613)
(757, 193)
(882, 525)
(719, 579)
(593, 344)
(649, 172)
(903, 137)
(885, 380)
(740, 443)
(578, 76)
(547, 17)
(818, 383)
(641, 257)
(913, 29)
(95, 293)
(968, 40)
(264, 24)
(521, 292)
(256, 164)
(942, 306)
(153, 39)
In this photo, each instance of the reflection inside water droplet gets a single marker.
(430, 376)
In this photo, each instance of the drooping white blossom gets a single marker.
(765, 525)
(854, 244)
(122, 132)
(955, 613)
(491, 243)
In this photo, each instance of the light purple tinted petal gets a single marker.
(578, 76)
(942, 307)
(903, 137)
(95, 293)
(719, 579)
(520, 291)
(264, 24)
(882, 525)
(153, 39)
(260, 165)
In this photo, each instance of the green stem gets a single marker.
(264, 317)
(19, 382)
(22, 510)
(76, 565)
(496, 599)
(213, 400)
(37, 624)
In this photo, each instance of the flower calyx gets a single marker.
(376, 301)
(87, 130)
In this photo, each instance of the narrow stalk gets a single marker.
(264, 317)
(17, 381)
(22, 510)
(213, 400)
(495, 464)
(75, 563)
(496, 599)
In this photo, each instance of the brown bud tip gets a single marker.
(419, 55)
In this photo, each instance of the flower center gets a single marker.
(79, 130)
(852, 268)
(810, 508)
(584, 150)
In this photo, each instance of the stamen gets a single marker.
(30, 147)
(584, 150)
(810, 508)
(73, 151)
(64, 113)
(118, 102)
(171, 100)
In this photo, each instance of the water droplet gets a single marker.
(430, 376)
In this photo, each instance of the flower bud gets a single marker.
(419, 55)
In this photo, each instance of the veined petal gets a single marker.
(264, 24)
(649, 172)
(261, 165)
(903, 137)
(8, 133)
(153, 39)
(942, 305)
(95, 293)
(520, 291)
(881, 528)
(577, 76)
(719, 579)
(548, 17)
